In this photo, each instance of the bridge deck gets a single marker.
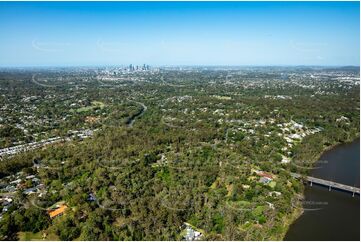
(329, 183)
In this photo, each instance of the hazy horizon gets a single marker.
(162, 66)
(39, 34)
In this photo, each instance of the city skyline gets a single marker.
(180, 33)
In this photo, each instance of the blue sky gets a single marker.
(179, 33)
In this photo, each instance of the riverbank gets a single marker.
(132, 118)
(288, 221)
(317, 158)
(330, 147)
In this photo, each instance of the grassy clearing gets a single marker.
(29, 236)
(94, 105)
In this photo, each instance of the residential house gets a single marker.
(265, 177)
(58, 211)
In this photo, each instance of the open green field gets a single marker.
(95, 104)
(36, 236)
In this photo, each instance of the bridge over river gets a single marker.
(329, 184)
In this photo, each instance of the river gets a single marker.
(131, 119)
(331, 215)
